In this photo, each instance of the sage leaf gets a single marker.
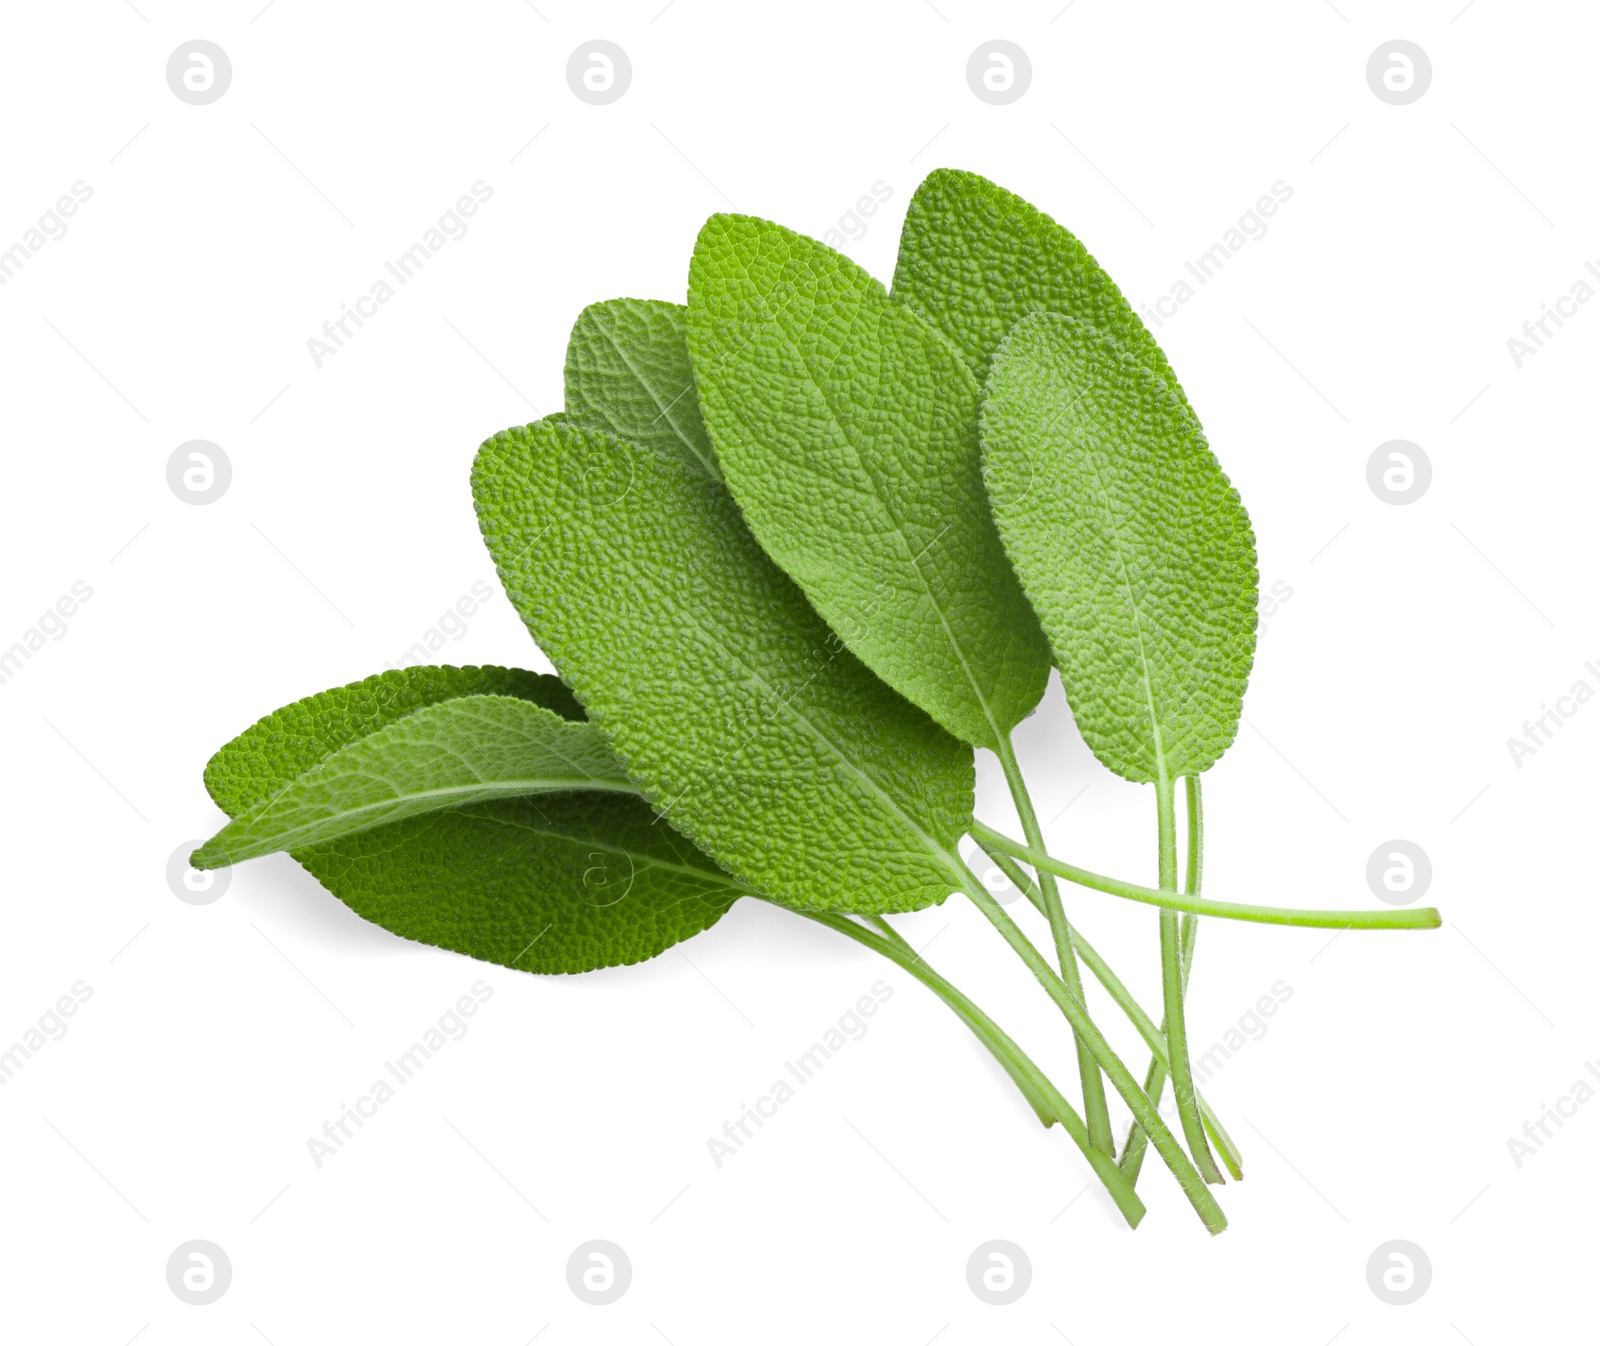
(460, 751)
(628, 374)
(726, 697)
(548, 883)
(565, 882)
(294, 738)
(1132, 545)
(974, 258)
(847, 429)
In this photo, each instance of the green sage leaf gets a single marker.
(847, 428)
(974, 258)
(461, 751)
(1131, 543)
(548, 883)
(628, 374)
(726, 697)
(295, 738)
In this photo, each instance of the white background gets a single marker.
(1418, 638)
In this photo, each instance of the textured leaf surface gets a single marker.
(295, 738)
(974, 258)
(719, 687)
(551, 883)
(461, 751)
(557, 883)
(847, 428)
(628, 374)
(1133, 547)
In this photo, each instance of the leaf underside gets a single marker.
(847, 429)
(1131, 544)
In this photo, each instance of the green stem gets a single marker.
(1094, 1089)
(1037, 1087)
(1401, 918)
(1155, 1080)
(1155, 1038)
(1156, 1076)
(1166, 1144)
(1174, 977)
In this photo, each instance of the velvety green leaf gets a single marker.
(847, 428)
(974, 258)
(1132, 545)
(725, 695)
(554, 883)
(628, 374)
(461, 751)
(549, 883)
(293, 739)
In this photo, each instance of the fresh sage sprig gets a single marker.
(847, 428)
(798, 549)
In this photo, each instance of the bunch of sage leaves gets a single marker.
(797, 549)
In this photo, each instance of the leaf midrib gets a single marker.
(483, 789)
(584, 776)
(288, 838)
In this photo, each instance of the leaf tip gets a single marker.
(209, 856)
